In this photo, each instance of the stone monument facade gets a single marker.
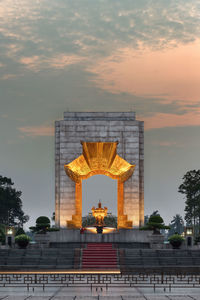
(90, 143)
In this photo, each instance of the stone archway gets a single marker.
(99, 158)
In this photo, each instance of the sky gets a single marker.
(105, 55)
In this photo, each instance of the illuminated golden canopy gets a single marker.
(99, 158)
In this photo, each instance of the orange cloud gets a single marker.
(60, 61)
(63, 60)
(34, 131)
(170, 74)
(161, 120)
(8, 76)
(31, 63)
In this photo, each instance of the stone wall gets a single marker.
(99, 127)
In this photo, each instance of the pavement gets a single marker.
(98, 293)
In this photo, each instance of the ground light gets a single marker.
(63, 272)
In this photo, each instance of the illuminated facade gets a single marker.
(94, 143)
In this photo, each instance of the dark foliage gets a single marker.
(191, 189)
(42, 225)
(176, 225)
(11, 213)
(22, 240)
(155, 223)
(110, 221)
(176, 240)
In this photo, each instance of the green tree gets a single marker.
(191, 189)
(176, 225)
(42, 225)
(88, 220)
(11, 213)
(155, 223)
(110, 221)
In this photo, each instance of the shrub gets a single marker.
(22, 240)
(155, 219)
(42, 225)
(110, 221)
(53, 229)
(42, 222)
(176, 240)
(155, 223)
(88, 221)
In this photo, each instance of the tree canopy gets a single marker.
(176, 225)
(191, 189)
(42, 225)
(155, 223)
(109, 220)
(11, 213)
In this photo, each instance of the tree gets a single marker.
(88, 220)
(42, 225)
(11, 213)
(176, 225)
(110, 221)
(155, 223)
(191, 189)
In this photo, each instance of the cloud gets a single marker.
(8, 76)
(36, 131)
(161, 120)
(61, 61)
(170, 75)
(85, 28)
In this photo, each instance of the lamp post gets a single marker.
(10, 236)
(189, 235)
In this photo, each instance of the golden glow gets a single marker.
(63, 272)
(99, 158)
(105, 230)
(99, 213)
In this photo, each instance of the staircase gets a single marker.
(37, 259)
(99, 256)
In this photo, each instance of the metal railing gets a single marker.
(44, 280)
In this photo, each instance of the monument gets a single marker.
(99, 213)
(91, 143)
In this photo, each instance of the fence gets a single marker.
(45, 280)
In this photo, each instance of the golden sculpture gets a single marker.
(99, 158)
(99, 213)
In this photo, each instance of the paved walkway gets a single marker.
(74, 293)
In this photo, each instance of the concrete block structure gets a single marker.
(90, 143)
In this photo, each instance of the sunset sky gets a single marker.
(105, 55)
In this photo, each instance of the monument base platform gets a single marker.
(119, 236)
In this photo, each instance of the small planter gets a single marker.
(22, 240)
(176, 241)
(176, 245)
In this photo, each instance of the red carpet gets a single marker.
(99, 256)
